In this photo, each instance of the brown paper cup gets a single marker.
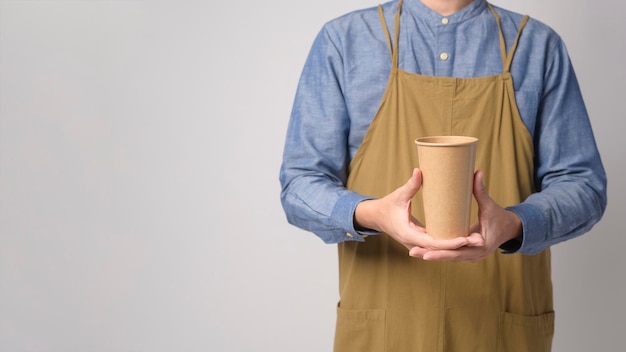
(447, 164)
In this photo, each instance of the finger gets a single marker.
(410, 188)
(441, 244)
(480, 191)
(442, 255)
(464, 254)
(475, 239)
(417, 252)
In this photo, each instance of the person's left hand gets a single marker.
(495, 225)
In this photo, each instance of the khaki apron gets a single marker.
(392, 302)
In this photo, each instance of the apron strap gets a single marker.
(394, 51)
(385, 28)
(507, 59)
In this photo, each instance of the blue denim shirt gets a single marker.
(342, 85)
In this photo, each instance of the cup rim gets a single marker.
(445, 141)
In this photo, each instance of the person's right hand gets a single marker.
(392, 215)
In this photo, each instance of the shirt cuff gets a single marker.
(534, 230)
(343, 214)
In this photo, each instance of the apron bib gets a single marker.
(392, 302)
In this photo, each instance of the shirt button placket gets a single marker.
(444, 55)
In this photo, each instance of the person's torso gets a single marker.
(392, 302)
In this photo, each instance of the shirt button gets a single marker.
(444, 56)
(445, 20)
(349, 235)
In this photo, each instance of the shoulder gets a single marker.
(360, 21)
(358, 33)
(535, 30)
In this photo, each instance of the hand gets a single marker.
(392, 215)
(495, 226)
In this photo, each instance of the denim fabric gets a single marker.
(345, 76)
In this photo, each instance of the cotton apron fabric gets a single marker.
(392, 302)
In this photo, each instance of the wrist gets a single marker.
(512, 240)
(515, 225)
(364, 216)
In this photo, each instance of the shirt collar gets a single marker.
(418, 9)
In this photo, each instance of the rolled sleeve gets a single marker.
(316, 155)
(535, 230)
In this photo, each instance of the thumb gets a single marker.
(480, 191)
(413, 185)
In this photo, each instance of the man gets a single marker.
(377, 79)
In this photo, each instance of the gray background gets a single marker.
(140, 143)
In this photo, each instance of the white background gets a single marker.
(140, 143)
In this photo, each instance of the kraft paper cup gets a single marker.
(447, 164)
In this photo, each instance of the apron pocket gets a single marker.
(360, 330)
(525, 333)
